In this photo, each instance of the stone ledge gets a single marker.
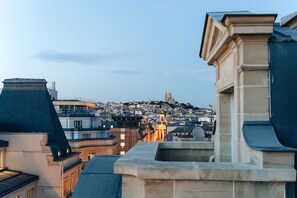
(140, 162)
(252, 67)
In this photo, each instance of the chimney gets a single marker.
(26, 107)
(54, 86)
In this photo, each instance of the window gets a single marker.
(122, 144)
(91, 155)
(77, 124)
(122, 153)
(86, 136)
(73, 181)
(30, 193)
(122, 136)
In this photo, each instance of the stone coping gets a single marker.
(140, 162)
(186, 145)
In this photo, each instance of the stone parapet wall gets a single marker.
(143, 176)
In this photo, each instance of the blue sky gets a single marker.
(115, 50)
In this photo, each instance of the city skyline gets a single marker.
(116, 50)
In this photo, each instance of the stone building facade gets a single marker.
(249, 160)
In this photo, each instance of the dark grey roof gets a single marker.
(11, 181)
(283, 34)
(183, 129)
(260, 135)
(3, 143)
(220, 15)
(26, 107)
(98, 179)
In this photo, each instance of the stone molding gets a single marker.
(231, 28)
(252, 67)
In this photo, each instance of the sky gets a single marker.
(115, 50)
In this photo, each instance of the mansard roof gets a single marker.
(26, 107)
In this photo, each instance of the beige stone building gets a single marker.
(36, 144)
(248, 159)
(159, 132)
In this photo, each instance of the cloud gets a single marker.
(80, 58)
(125, 72)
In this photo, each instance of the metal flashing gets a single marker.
(260, 135)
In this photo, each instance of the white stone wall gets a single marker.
(87, 122)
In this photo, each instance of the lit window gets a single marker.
(122, 144)
(91, 155)
(1, 160)
(122, 153)
(68, 150)
(59, 153)
(122, 136)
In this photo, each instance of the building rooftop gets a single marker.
(11, 181)
(98, 179)
(26, 107)
(220, 15)
(283, 34)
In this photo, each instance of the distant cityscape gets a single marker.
(113, 128)
(73, 148)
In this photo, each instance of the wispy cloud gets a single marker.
(80, 58)
(125, 72)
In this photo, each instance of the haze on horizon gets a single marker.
(116, 50)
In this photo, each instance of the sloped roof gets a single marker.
(220, 15)
(26, 107)
(260, 135)
(98, 179)
(283, 34)
(11, 181)
(288, 18)
(183, 129)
